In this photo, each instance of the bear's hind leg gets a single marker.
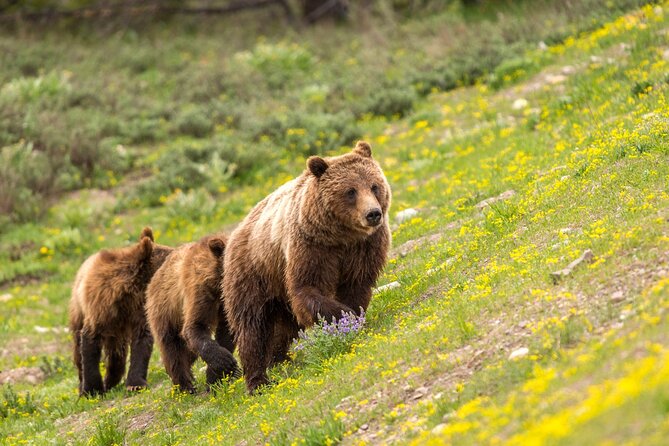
(76, 354)
(223, 335)
(178, 359)
(91, 351)
(284, 331)
(220, 362)
(252, 342)
(140, 355)
(115, 362)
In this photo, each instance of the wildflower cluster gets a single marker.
(329, 339)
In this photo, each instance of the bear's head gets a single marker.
(352, 190)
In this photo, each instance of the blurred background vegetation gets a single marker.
(153, 100)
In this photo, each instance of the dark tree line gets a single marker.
(311, 11)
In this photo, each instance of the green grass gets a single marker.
(587, 159)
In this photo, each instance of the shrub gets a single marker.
(194, 121)
(308, 133)
(392, 101)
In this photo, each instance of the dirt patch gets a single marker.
(141, 422)
(26, 347)
(30, 375)
(31, 278)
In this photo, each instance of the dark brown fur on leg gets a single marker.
(91, 351)
(253, 350)
(220, 362)
(178, 360)
(140, 355)
(115, 363)
(223, 335)
(285, 330)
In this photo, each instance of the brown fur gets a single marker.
(106, 312)
(184, 308)
(306, 250)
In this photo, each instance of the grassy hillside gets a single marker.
(477, 342)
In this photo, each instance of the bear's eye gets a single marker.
(375, 189)
(351, 193)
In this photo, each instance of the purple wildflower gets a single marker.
(343, 329)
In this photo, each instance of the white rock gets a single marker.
(618, 296)
(542, 46)
(388, 286)
(439, 428)
(519, 353)
(405, 215)
(5, 297)
(40, 329)
(520, 104)
(556, 78)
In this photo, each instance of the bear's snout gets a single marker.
(373, 217)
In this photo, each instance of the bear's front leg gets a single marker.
(140, 355)
(220, 362)
(311, 283)
(355, 295)
(91, 351)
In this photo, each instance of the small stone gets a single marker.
(448, 416)
(519, 104)
(40, 329)
(388, 286)
(519, 353)
(419, 393)
(439, 428)
(405, 215)
(364, 427)
(488, 201)
(556, 78)
(587, 256)
(5, 297)
(542, 45)
(568, 69)
(618, 296)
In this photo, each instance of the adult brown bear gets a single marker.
(107, 312)
(184, 307)
(313, 248)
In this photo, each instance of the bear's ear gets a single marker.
(317, 165)
(145, 248)
(146, 232)
(363, 148)
(217, 246)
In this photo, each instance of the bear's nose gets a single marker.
(374, 217)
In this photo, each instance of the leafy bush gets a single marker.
(278, 63)
(194, 121)
(309, 133)
(24, 177)
(393, 101)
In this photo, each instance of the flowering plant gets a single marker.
(328, 339)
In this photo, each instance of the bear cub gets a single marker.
(184, 308)
(106, 312)
(313, 248)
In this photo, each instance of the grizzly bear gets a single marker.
(106, 311)
(184, 307)
(313, 248)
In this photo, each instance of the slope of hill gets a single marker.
(529, 292)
